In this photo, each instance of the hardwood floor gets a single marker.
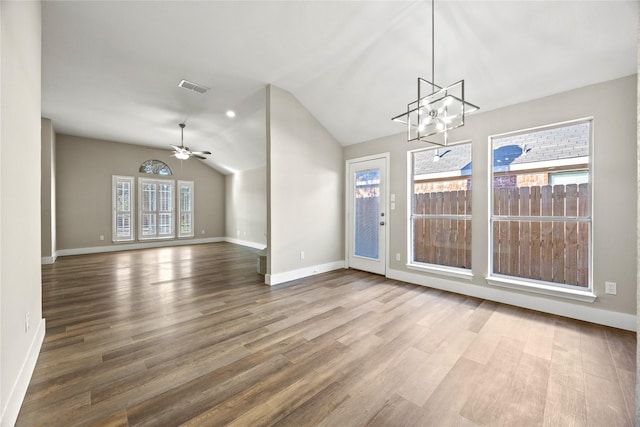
(190, 335)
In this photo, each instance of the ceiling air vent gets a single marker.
(186, 84)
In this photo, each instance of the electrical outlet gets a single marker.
(398, 256)
(301, 254)
(202, 232)
(610, 288)
(27, 322)
(102, 237)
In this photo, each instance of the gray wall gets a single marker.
(20, 280)
(48, 191)
(613, 107)
(305, 173)
(246, 206)
(83, 186)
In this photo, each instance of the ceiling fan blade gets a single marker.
(175, 147)
(198, 156)
(201, 152)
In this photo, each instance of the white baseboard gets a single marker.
(533, 302)
(130, 246)
(287, 276)
(19, 390)
(247, 243)
(49, 259)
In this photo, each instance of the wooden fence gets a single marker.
(443, 241)
(553, 251)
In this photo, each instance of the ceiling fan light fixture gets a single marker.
(182, 152)
(230, 113)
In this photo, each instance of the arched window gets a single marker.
(155, 167)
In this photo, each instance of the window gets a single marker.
(541, 210)
(575, 177)
(156, 209)
(367, 213)
(122, 206)
(185, 207)
(440, 220)
(155, 167)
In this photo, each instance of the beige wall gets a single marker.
(613, 106)
(48, 191)
(20, 280)
(246, 206)
(83, 186)
(305, 173)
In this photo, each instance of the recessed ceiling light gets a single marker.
(230, 113)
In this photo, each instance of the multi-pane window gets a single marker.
(440, 220)
(122, 205)
(185, 209)
(157, 201)
(156, 209)
(155, 167)
(541, 209)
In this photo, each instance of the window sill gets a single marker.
(458, 273)
(153, 239)
(540, 288)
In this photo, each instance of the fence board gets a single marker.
(460, 235)
(534, 206)
(558, 234)
(583, 235)
(514, 232)
(546, 236)
(525, 234)
(439, 228)
(496, 233)
(571, 237)
(419, 232)
(446, 229)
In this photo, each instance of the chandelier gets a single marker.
(438, 109)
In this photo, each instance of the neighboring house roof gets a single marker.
(564, 145)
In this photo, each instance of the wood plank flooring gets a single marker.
(190, 336)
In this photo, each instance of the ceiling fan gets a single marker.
(182, 152)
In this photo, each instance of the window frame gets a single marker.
(155, 167)
(115, 179)
(446, 270)
(191, 186)
(534, 285)
(157, 211)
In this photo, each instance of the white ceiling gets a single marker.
(111, 69)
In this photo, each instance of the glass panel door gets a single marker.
(366, 215)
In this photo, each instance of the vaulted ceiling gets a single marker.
(111, 69)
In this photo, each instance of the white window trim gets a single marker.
(537, 286)
(445, 270)
(179, 215)
(114, 217)
(172, 182)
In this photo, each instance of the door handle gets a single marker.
(381, 222)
